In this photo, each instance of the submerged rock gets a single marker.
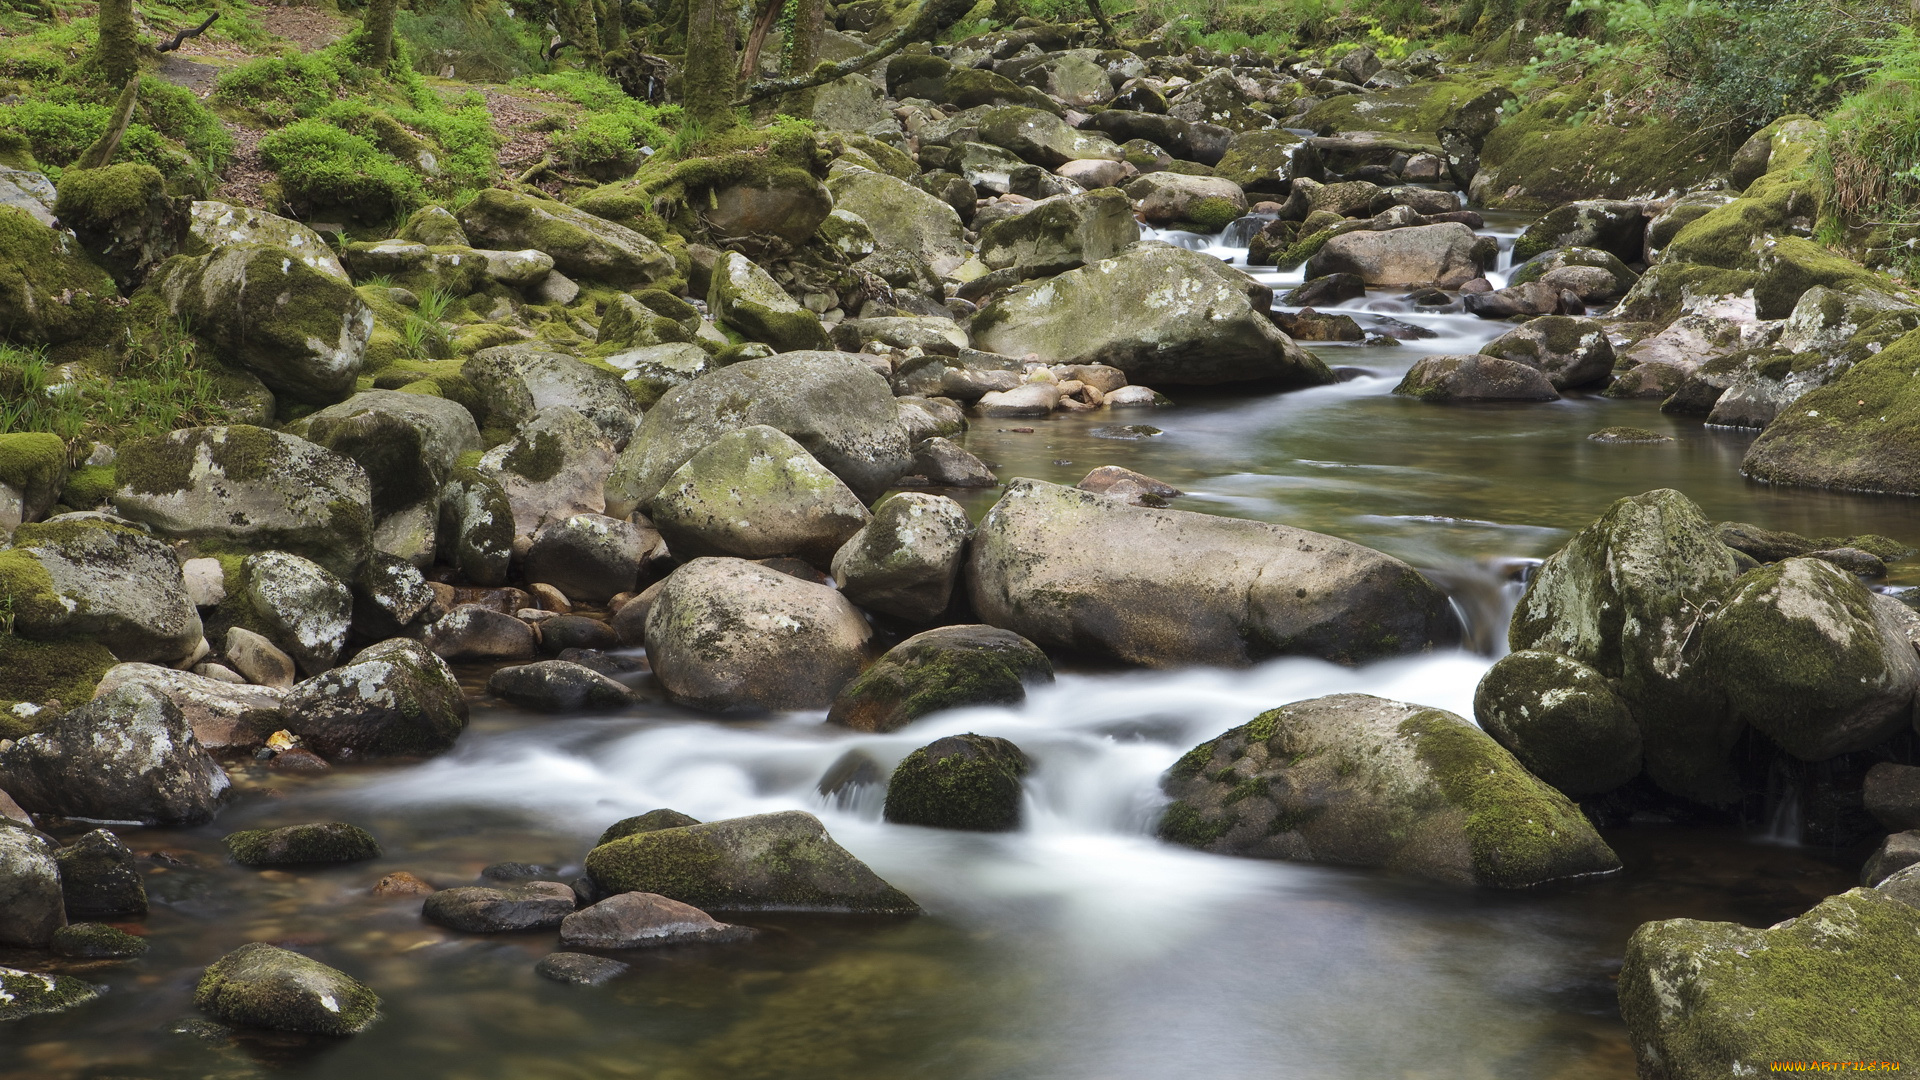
(96, 941)
(1358, 780)
(579, 969)
(969, 782)
(533, 905)
(298, 845)
(949, 667)
(558, 686)
(263, 986)
(641, 920)
(128, 755)
(1474, 378)
(31, 993)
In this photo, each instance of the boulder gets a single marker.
(473, 632)
(96, 941)
(263, 986)
(31, 993)
(49, 293)
(906, 560)
(726, 634)
(1553, 266)
(1713, 999)
(643, 920)
(390, 598)
(1812, 659)
(785, 203)
(1447, 379)
(651, 821)
(1167, 198)
(1358, 780)
(831, 403)
(1266, 162)
(652, 370)
(1447, 256)
(519, 382)
(946, 463)
(306, 610)
(902, 218)
(30, 901)
(756, 493)
(1042, 138)
(223, 716)
(123, 217)
(1533, 298)
(950, 667)
(476, 527)
(435, 226)
(746, 298)
(33, 473)
(784, 861)
(969, 782)
(113, 584)
(1617, 227)
(558, 686)
(928, 333)
(393, 698)
(554, 469)
(581, 245)
(217, 224)
(1057, 234)
(1860, 432)
(99, 879)
(534, 905)
(1080, 572)
(1892, 795)
(407, 444)
(1895, 853)
(25, 189)
(302, 845)
(1573, 353)
(258, 659)
(591, 557)
(1561, 720)
(1163, 315)
(128, 755)
(243, 488)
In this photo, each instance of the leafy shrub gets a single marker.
(481, 43)
(280, 88)
(322, 165)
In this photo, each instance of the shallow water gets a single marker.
(1075, 948)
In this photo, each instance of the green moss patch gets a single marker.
(37, 672)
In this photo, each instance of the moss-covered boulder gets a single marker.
(30, 902)
(99, 878)
(1042, 138)
(243, 488)
(262, 986)
(1858, 433)
(554, 467)
(1463, 103)
(1710, 999)
(1168, 198)
(784, 861)
(969, 782)
(951, 667)
(746, 298)
(218, 224)
(35, 673)
(582, 245)
(95, 580)
(1539, 158)
(1265, 162)
(96, 941)
(1060, 233)
(902, 217)
(651, 821)
(32, 993)
(33, 473)
(124, 217)
(408, 444)
(476, 526)
(1567, 267)
(1561, 719)
(1475, 378)
(49, 293)
(301, 845)
(1811, 658)
(514, 383)
(650, 371)
(1358, 780)
(1079, 572)
(1162, 314)
(730, 635)
(128, 755)
(756, 493)
(392, 698)
(906, 560)
(1613, 226)
(1571, 351)
(1623, 597)
(305, 610)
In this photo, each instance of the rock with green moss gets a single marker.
(1166, 198)
(1615, 278)
(746, 298)
(1474, 378)
(1613, 226)
(124, 217)
(434, 225)
(1162, 314)
(394, 698)
(1357, 780)
(31, 909)
(49, 293)
(1446, 256)
(630, 324)
(106, 582)
(1043, 138)
(1060, 233)
(651, 821)
(1709, 999)
(516, 382)
(831, 403)
(1265, 162)
(476, 526)
(128, 755)
(302, 845)
(1624, 597)
(1471, 105)
(781, 862)
(25, 188)
(33, 993)
(242, 488)
(951, 667)
(224, 716)
(1859, 433)
(34, 674)
(99, 878)
(1812, 659)
(554, 468)
(651, 371)
(1542, 156)
(217, 224)
(1561, 720)
(756, 493)
(1789, 266)
(1571, 351)
(969, 782)
(583, 246)
(902, 217)
(906, 560)
(728, 635)
(96, 941)
(1686, 210)
(263, 986)
(407, 443)
(33, 472)
(301, 607)
(1079, 572)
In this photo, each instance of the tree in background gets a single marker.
(116, 52)
(376, 33)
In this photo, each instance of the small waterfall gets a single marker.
(1784, 815)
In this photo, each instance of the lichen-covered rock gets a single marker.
(1445, 379)
(407, 443)
(393, 698)
(1168, 198)
(582, 246)
(31, 993)
(304, 609)
(755, 493)
(1556, 265)
(476, 527)
(218, 224)
(128, 755)
(518, 382)
(263, 986)
(591, 557)
(558, 686)
(1618, 227)
(641, 920)
(554, 468)
(906, 561)
(49, 293)
(223, 716)
(1623, 597)
(747, 298)
(1059, 233)
(1808, 656)
(778, 862)
(950, 667)
(725, 634)
(1164, 315)
(1446, 256)
(96, 941)
(969, 782)
(1358, 780)
(300, 845)
(303, 331)
(1572, 352)
(1079, 572)
(1709, 999)
(33, 472)
(1859, 433)
(1266, 162)
(101, 581)
(243, 488)
(1561, 720)
(832, 404)
(99, 880)
(124, 217)
(652, 370)
(1042, 138)
(30, 901)
(902, 217)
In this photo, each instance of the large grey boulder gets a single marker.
(223, 716)
(128, 755)
(1167, 198)
(392, 698)
(1713, 999)
(1162, 314)
(218, 224)
(1446, 256)
(784, 861)
(1080, 572)
(1358, 780)
(903, 217)
(756, 493)
(747, 298)
(1561, 719)
(1043, 138)
(301, 329)
(1059, 233)
(249, 489)
(304, 609)
(906, 560)
(1572, 352)
(831, 403)
(1445, 379)
(553, 469)
(518, 382)
(476, 527)
(1615, 226)
(31, 904)
(652, 370)
(591, 557)
(949, 667)
(408, 444)
(263, 986)
(475, 632)
(725, 634)
(581, 245)
(113, 584)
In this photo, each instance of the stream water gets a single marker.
(1077, 947)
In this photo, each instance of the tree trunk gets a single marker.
(101, 152)
(803, 45)
(580, 25)
(933, 17)
(1106, 28)
(376, 33)
(709, 76)
(116, 55)
(757, 38)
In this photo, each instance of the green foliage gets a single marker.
(425, 332)
(322, 165)
(159, 383)
(480, 41)
(605, 140)
(171, 130)
(1870, 166)
(281, 88)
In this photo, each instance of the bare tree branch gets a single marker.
(182, 36)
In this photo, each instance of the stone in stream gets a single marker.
(96, 941)
(1617, 227)
(946, 463)
(304, 609)
(949, 667)
(969, 782)
(1357, 780)
(533, 905)
(906, 560)
(1080, 572)
(592, 558)
(302, 845)
(756, 493)
(568, 633)
(1892, 795)
(128, 755)
(1446, 256)
(1895, 853)
(393, 698)
(1453, 379)
(472, 632)
(579, 969)
(31, 905)
(99, 880)
(263, 986)
(401, 884)
(1706, 1000)
(558, 686)
(1573, 353)
(1533, 298)
(642, 920)
(651, 821)
(1561, 720)
(1166, 199)
(1620, 435)
(1563, 267)
(32, 993)
(782, 861)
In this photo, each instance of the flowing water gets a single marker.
(1077, 947)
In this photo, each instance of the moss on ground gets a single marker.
(37, 672)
